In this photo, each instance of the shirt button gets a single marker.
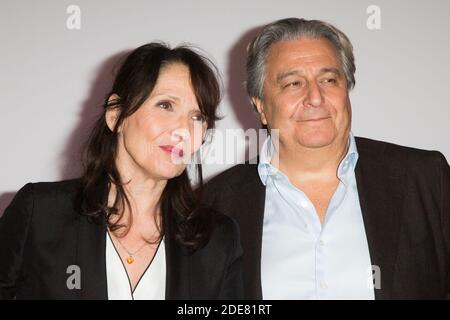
(324, 285)
(321, 242)
(304, 204)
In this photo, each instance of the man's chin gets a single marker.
(315, 142)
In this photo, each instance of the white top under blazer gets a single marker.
(151, 285)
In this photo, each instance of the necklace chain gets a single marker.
(130, 258)
(131, 254)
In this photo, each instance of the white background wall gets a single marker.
(52, 79)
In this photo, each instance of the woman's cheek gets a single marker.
(196, 138)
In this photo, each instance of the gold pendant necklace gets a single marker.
(130, 259)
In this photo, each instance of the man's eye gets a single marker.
(293, 84)
(331, 80)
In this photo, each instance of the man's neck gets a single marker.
(312, 163)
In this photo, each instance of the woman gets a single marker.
(131, 227)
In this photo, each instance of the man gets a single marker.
(324, 214)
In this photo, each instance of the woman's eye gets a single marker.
(198, 117)
(165, 105)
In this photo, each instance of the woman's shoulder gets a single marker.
(47, 195)
(44, 205)
(51, 190)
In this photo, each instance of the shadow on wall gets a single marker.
(5, 200)
(245, 113)
(237, 94)
(90, 110)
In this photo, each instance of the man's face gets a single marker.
(305, 95)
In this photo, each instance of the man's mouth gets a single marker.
(314, 119)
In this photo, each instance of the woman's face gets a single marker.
(158, 140)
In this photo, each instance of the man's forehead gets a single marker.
(295, 55)
(302, 48)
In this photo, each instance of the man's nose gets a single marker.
(313, 96)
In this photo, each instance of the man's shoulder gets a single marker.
(395, 152)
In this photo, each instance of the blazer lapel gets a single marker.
(250, 215)
(379, 187)
(177, 266)
(91, 253)
(91, 256)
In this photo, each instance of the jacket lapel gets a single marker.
(177, 266)
(250, 215)
(91, 253)
(91, 256)
(380, 194)
(379, 184)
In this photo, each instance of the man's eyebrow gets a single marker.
(284, 75)
(332, 70)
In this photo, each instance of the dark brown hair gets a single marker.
(134, 82)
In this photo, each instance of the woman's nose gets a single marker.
(180, 134)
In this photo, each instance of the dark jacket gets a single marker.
(405, 201)
(42, 234)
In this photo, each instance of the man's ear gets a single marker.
(112, 114)
(260, 108)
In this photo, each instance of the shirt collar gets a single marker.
(266, 170)
(347, 166)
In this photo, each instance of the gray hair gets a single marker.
(291, 29)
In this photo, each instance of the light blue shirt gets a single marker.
(302, 258)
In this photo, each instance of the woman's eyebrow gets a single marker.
(162, 93)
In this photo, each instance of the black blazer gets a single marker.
(42, 234)
(405, 201)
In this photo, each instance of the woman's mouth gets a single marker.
(172, 150)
